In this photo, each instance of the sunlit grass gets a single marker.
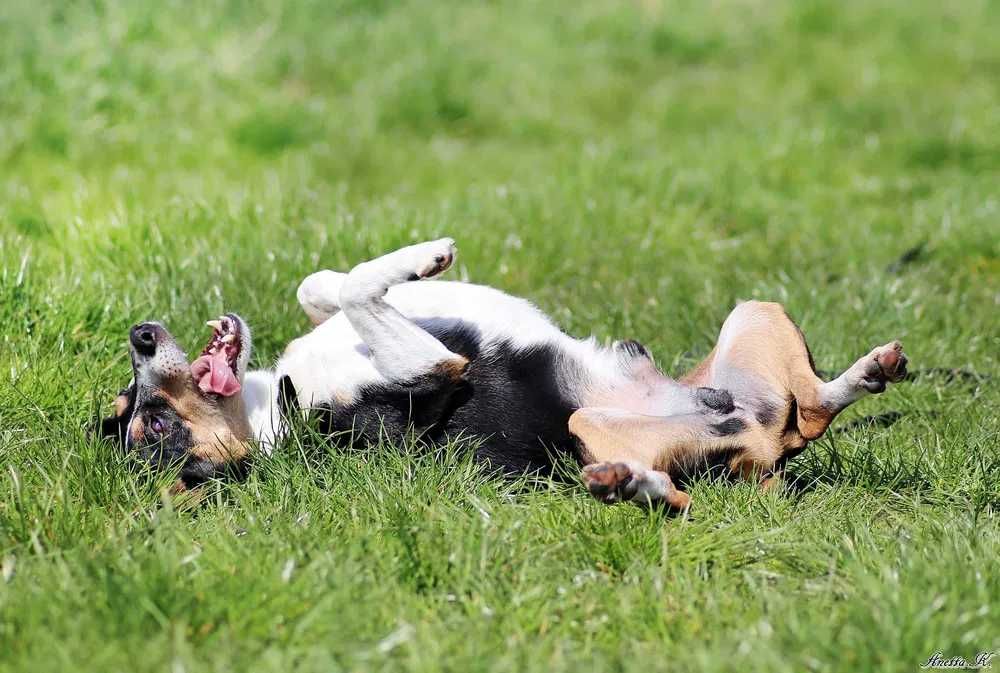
(635, 168)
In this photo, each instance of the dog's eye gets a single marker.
(156, 425)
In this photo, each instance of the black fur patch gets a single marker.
(716, 399)
(691, 466)
(765, 413)
(507, 399)
(730, 426)
(789, 454)
(633, 348)
(168, 446)
(391, 409)
(792, 421)
(288, 397)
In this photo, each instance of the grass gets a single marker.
(634, 168)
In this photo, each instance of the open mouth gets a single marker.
(217, 369)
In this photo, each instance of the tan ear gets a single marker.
(114, 427)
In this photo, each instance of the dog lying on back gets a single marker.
(444, 359)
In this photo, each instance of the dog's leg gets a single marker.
(869, 375)
(612, 482)
(400, 349)
(319, 295)
(629, 455)
(760, 340)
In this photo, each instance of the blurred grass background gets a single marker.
(634, 168)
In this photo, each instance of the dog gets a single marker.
(388, 356)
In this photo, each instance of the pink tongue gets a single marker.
(214, 375)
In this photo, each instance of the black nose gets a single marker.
(143, 338)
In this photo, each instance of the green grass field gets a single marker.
(634, 168)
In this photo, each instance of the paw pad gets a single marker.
(887, 364)
(607, 481)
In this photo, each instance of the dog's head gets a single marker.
(184, 413)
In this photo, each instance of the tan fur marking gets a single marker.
(767, 343)
(220, 429)
(220, 449)
(137, 430)
(813, 422)
(452, 369)
(660, 443)
(121, 405)
(612, 435)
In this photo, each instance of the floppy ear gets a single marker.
(114, 426)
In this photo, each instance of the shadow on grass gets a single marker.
(825, 463)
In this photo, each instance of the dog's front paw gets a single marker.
(608, 482)
(319, 295)
(619, 482)
(885, 364)
(434, 257)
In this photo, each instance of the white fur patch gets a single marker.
(319, 295)
(650, 485)
(371, 331)
(260, 396)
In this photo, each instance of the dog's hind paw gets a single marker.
(885, 364)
